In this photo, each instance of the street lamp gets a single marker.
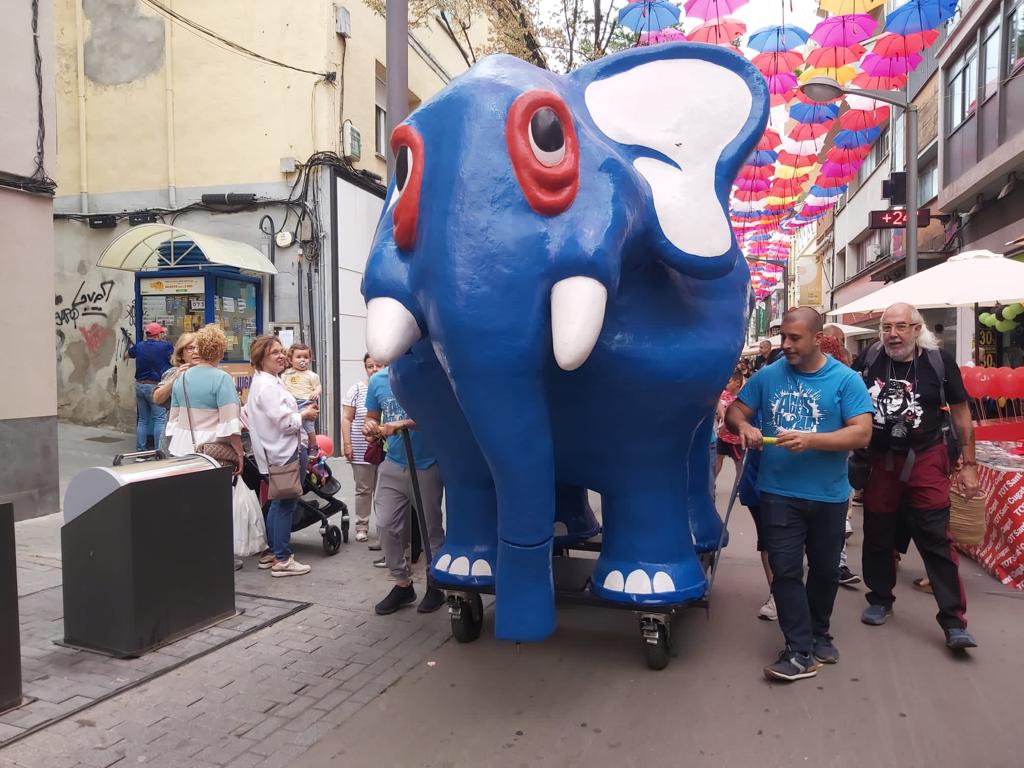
(825, 89)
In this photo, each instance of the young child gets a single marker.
(728, 442)
(304, 385)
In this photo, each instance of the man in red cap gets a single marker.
(152, 357)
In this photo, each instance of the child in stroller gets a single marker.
(319, 481)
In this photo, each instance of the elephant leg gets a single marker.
(512, 427)
(647, 555)
(705, 523)
(469, 554)
(574, 519)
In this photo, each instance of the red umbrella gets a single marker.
(718, 31)
(810, 131)
(774, 62)
(891, 44)
(748, 195)
(829, 181)
(834, 58)
(847, 156)
(756, 172)
(868, 82)
(769, 140)
(797, 161)
(862, 119)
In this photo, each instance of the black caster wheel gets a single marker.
(467, 612)
(344, 531)
(656, 646)
(332, 539)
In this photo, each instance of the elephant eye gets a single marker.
(544, 150)
(403, 166)
(547, 139)
(407, 145)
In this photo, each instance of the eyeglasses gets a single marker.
(899, 328)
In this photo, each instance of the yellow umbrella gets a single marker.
(789, 171)
(843, 7)
(842, 75)
(782, 200)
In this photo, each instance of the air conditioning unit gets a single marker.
(351, 142)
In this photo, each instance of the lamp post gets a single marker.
(397, 63)
(825, 89)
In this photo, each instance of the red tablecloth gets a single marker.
(1002, 551)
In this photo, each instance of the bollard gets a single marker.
(10, 637)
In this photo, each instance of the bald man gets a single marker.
(818, 410)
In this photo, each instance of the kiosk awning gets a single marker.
(160, 246)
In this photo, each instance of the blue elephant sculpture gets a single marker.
(557, 287)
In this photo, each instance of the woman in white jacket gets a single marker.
(275, 428)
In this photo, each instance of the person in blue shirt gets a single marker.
(385, 417)
(152, 357)
(816, 410)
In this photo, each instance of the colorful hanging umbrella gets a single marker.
(803, 146)
(712, 9)
(749, 195)
(784, 82)
(756, 172)
(762, 157)
(889, 66)
(789, 171)
(839, 170)
(915, 16)
(835, 57)
(844, 31)
(861, 119)
(718, 32)
(849, 139)
(846, 7)
(798, 159)
(774, 62)
(904, 45)
(845, 156)
(662, 36)
(753, 185)
(780, 37)
(769, 139)
(842, 75)
(827, 182)
(809, 131)
(814, 113)
(649, 15)
(879, 83)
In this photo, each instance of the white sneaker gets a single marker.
(768, 612)
(290, 567)
(849, 528)
(361, 536)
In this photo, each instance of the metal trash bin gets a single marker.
(147, 551)
(10, 632)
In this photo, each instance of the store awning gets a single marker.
(160, 246)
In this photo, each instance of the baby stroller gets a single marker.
(318, 481)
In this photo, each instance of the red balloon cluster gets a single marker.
(994, 382)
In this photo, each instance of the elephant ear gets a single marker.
(687, 116)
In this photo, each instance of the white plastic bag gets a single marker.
(250, 530)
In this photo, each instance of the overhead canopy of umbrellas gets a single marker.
(810, 152)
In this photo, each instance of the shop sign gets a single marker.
(987, 348)
(164, 286)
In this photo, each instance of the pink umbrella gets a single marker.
(753, 185)
(661, 36)
(880, 82)
(839, 170)
(780, 83)
(718, 32)
(833, 58)
(889, 66)
(810, 131)
(774, 62)
(712, 9)
(862, 119)
(842, 31)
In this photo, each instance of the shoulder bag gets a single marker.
(223, 453)
(284, 481)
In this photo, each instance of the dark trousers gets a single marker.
(929, 530)
(789, 528)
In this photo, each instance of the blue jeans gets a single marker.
(279, 517)
(151, 419)
(790, 527)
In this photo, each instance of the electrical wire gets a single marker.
(237, 48)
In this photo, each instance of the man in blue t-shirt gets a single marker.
(394, 498)
(816, 410)
(152, 357)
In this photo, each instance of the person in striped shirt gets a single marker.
(354, 445)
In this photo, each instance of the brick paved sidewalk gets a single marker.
(260, 701)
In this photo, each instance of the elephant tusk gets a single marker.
(577, 314)
(390, 329)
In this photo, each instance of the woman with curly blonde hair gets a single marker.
(205, 412)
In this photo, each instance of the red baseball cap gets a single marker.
(154, 329)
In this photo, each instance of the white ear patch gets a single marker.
(689, 110)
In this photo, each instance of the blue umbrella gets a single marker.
(917, 16)
(813, 113)
(649, 15)
(762, 157)
(779, 37)
(816, 191)
(854, 139)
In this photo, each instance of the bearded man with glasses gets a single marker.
(917, 390)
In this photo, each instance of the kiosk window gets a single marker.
(175, 302)
(235, 312)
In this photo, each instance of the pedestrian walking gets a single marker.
(354, 446)
(766, 355)
(911, 457)
(818, 410)
(385, 417)
(152, 358)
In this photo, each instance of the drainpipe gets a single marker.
(83, 152)
(172, 191)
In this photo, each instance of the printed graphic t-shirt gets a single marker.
(725, 434)
(908, 393)
(301, 384)
(787, 399)
(379, 397)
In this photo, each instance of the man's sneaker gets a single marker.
(825, 651)
(958, 639)
(768, 612)
(266, 561)
(361, 536)
(397, 597)
(431, 601)
(876, 615)
(380, 562)
(847, 577)
(792, 666)
(290, 567)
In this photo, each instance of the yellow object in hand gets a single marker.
(769, 440)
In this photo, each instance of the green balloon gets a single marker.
(1003, 326)
(1013, 311)
(987, 319)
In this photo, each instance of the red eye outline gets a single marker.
(549, 190)
(407, 208)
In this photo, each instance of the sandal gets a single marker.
(923, 585)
